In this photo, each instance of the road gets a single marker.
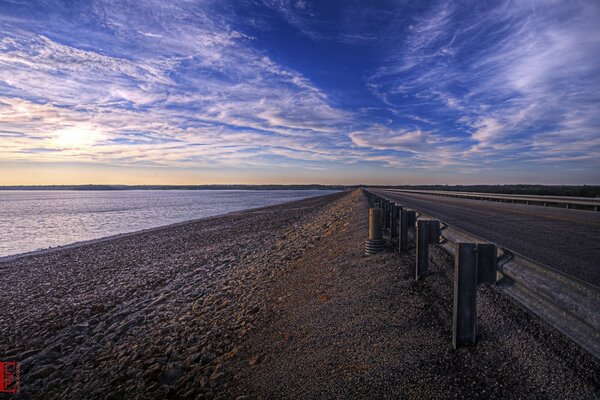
(567, 240)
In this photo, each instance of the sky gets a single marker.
(298, 91)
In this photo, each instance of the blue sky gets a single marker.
(254, 91)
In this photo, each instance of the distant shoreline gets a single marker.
(522, 189)
(175, 187)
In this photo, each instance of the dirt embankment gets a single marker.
(278, 302)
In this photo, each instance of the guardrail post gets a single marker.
(391, 207)
(487, 263)
(386, 225)
(403, 230)
(473, 265)
(383, 210)
(375, 243)
(422, 249)
(428, 231)
(407, 221)
(394, 224)
(433, 231)
(412, 218)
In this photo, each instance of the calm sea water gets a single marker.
(32, 220)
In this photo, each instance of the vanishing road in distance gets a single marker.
(565, 239)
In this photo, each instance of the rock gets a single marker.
(252, 361)
(198, 304)
(254, 310)
(42, 372)
(207, 357)
(26, 354)
(232, 352)
(194, 358)
(188, 395)
(159, 300)
(323, 298)
(154, 371)
(97, 309)
(171, 375)
(217, 378)
(201, 381)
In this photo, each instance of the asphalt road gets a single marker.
(567, 240)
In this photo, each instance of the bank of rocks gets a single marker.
(154, 315)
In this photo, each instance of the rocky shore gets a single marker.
(278, 302)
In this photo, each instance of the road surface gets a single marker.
(567, 240)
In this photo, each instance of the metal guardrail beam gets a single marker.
(556, 201)
(565, 302)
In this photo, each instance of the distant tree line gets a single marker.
(542, 190)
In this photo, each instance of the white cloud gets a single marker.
(175, 83)
(509, 75)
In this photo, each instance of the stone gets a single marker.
(197, 304)
(42, 372)
(154, 371)
(323, 298)
(252, 361)
(207, 357)
(97, 309)
(217, 378)
(170, 376)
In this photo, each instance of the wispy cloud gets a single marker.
(453, 86)
(519, 81)
(210, 100)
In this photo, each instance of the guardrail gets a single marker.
(567, 303)
(548, 201)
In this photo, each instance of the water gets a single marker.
(32, 220)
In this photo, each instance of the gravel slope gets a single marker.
(344, 325)
(277, 302)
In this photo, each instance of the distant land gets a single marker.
(536, 190)
(176, 187)
(539, 190)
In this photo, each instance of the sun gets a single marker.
(76, 137)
